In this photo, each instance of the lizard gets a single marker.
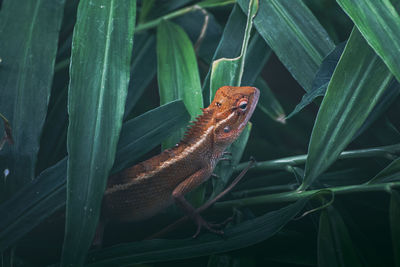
(141, 191)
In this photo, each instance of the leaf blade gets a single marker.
(177, 71)
(28, 48)
(295, 35)
(347, 103)
(96, 100)
(379, 23)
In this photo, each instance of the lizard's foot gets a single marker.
(211, 227)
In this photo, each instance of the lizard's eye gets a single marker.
(218, 104)
(242, 104)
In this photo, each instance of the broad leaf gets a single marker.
(103, 38)
(295, 35)
(358, 82)
(38, 200)
(379, 23)
(28, 50)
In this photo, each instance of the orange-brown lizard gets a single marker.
(143, 190)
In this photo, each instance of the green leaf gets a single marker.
(389, 174)
(321, 80)
(229, 71)
(178, 75)
(358, 82)
(335, 247)
(143, 69)
(102, 39)
(242, 235)
(394, 217)
(268, 102)
(230, 44)
(257, 55)
(38, 200)
(28, 50)
(295, 35)
(379, 23)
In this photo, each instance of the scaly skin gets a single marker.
(143, 190)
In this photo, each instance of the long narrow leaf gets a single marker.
(295, 35)
(28, 50)
(103, 38)
(379, 23)
(229, 71)
(358, 82)
(178, 75)
(335, 247)
(243, 235)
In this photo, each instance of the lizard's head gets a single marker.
(233, 107)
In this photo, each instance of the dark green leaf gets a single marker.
(394, 216)
(38, 200)
(358, 82)
(258, 54)
(242, 235)
(229, 71)
(388, 174)
(268, 102)
(143, 69)
(178, 75)
(335, 247)
(28, 50)
(295, 35)
(321, 80)
(379, 23)
(230, 43)
(103, 38)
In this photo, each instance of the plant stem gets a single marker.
(179, 12)
(296, 195)
(286, 163)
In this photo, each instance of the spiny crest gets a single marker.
(198, 127)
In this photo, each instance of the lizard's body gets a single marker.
(141, 191)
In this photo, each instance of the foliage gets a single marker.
(88, 88)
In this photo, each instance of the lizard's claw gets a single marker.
(211, 227)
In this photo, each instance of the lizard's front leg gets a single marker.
(186, 186)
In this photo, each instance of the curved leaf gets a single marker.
(28, 50)
(103, 40)
(358, 82)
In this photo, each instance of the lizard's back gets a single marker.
(141, 191)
